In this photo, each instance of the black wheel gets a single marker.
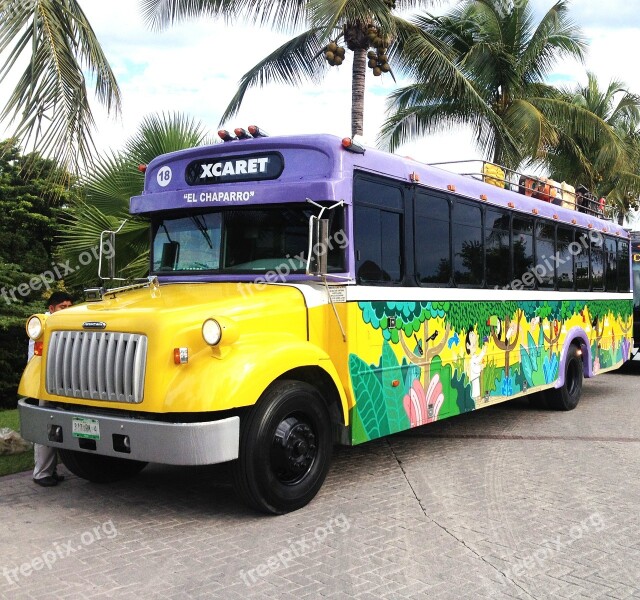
(100, 469)
(568, 396)
(285, 449)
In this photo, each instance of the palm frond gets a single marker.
(50, 105)
(292, 63)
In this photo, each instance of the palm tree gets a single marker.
(106, 192)
(506, 56)
(50, 104)
(369, 29)
(608, 172)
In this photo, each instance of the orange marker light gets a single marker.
(180, 356)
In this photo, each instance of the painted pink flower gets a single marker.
(417, 402)
(596, 365)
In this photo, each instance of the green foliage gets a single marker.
(370, 407)
(301, 59)
(107, 190)
(393, 394)
(50, 102)
(32, 203)
(451, 405)
(515, 115)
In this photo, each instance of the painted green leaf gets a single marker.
(393, 394)
(527, 366)
(369, 398)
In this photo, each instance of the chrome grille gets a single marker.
(97, 365)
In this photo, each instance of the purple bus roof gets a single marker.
(318, 167)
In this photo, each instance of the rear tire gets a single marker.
(99, 469)
(568, 396)
(285, 449)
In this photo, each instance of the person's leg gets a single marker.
(46, 460)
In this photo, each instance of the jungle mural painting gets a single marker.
(434, 360)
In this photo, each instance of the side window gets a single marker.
(377, 231)
(497, 247)
(611, 265)
(581, 258)
(523, 248)
(432, 239)
(468, 251)
(597, 263)
(623, 266)
(564, 268)
(545, 269)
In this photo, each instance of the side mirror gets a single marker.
(319, 246)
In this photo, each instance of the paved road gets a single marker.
(509, 502)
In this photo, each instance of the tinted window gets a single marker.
(581, 258)
(432, 239)
(597, 263)
(611, 265)
(564, 259)
(377, 232)
(377, 193)
(623, 266)
(544, 268)
(497, 247)
(468, 255)
(522, 248)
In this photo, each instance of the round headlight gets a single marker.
(34, 328)
(211, 332)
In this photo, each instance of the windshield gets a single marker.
(243, 240)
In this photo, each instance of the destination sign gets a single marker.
(254, 167)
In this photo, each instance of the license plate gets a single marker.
(85, 428)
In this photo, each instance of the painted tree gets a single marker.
(401, 320)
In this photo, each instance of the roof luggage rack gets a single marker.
(542, 188)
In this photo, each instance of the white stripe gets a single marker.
(315, 294)
(362, 293)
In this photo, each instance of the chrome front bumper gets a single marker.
(202, 443)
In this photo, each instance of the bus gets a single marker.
(307, 291)
(635, 267)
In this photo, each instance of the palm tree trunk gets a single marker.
(357, 90)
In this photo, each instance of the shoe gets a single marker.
(57, 477)
(46, 481)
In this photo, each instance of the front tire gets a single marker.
(100, 469)
(568, 396)
(285, 449)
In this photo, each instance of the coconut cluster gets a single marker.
(334, 54)
(378, 59)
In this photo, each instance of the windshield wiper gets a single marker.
(203, 230)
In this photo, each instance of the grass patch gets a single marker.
(14, 463)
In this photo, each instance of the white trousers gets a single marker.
(46, 459)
